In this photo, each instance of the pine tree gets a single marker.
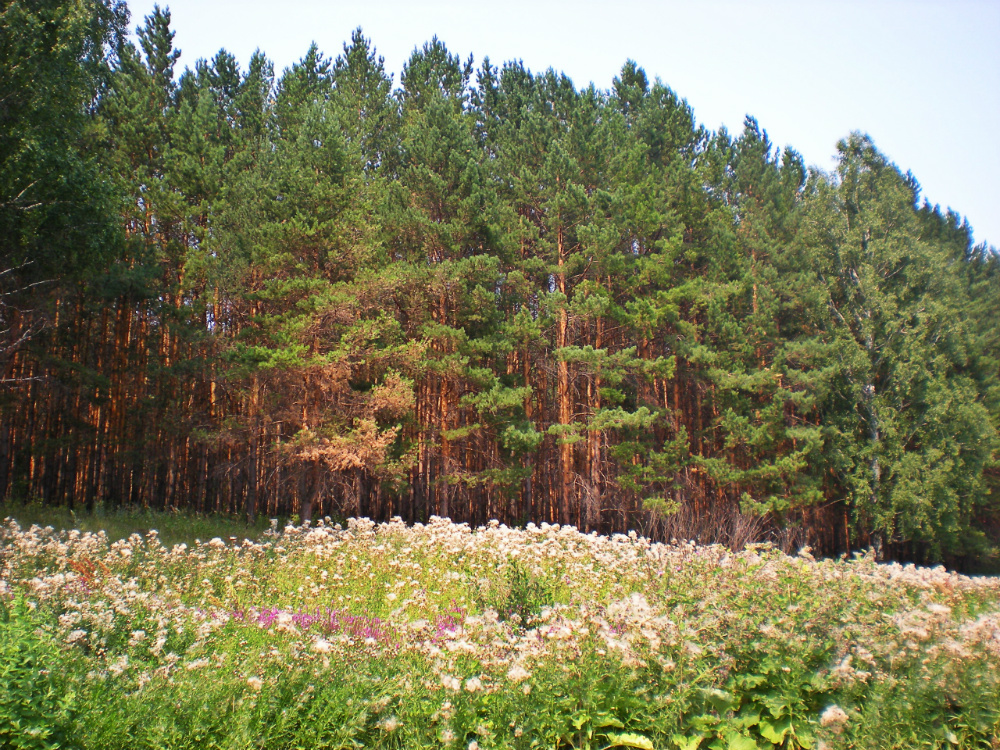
(56, 209)
(364, 102)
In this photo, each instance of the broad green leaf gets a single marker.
(805, 739)
(776, 704)
(630, 740)
(705, 721)
(749, 716)
(740, 742)
(720, 700)
(608, 721)
(751, 680)
(775, 731)
(686, 743)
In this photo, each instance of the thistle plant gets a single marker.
(388, 635)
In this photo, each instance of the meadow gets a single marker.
(441, 635)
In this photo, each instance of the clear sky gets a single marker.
(921, 77)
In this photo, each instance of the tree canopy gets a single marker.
(482, 293)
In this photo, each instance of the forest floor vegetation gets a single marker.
(440, 635)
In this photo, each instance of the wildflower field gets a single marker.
(438, 635)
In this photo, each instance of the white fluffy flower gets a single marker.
(517, 673)
(322, 646)
(389, 724)
(119, 666)
(833, 718)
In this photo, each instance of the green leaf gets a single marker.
(776, 704)
(748, 716)
(740, 742)
(805, 739)
(687, 743)
(579, 720)
(775, 731)
(704, 721)
(606, 720)
(720, 700)
(751, 680)
(630, 740)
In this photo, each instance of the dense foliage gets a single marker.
(484, 293)
(437, 635)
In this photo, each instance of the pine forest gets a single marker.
(478, 292)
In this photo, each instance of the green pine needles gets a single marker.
(480, 292)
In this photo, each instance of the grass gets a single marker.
(174, 527)
(200, 635)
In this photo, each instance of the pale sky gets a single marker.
(921, 77)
